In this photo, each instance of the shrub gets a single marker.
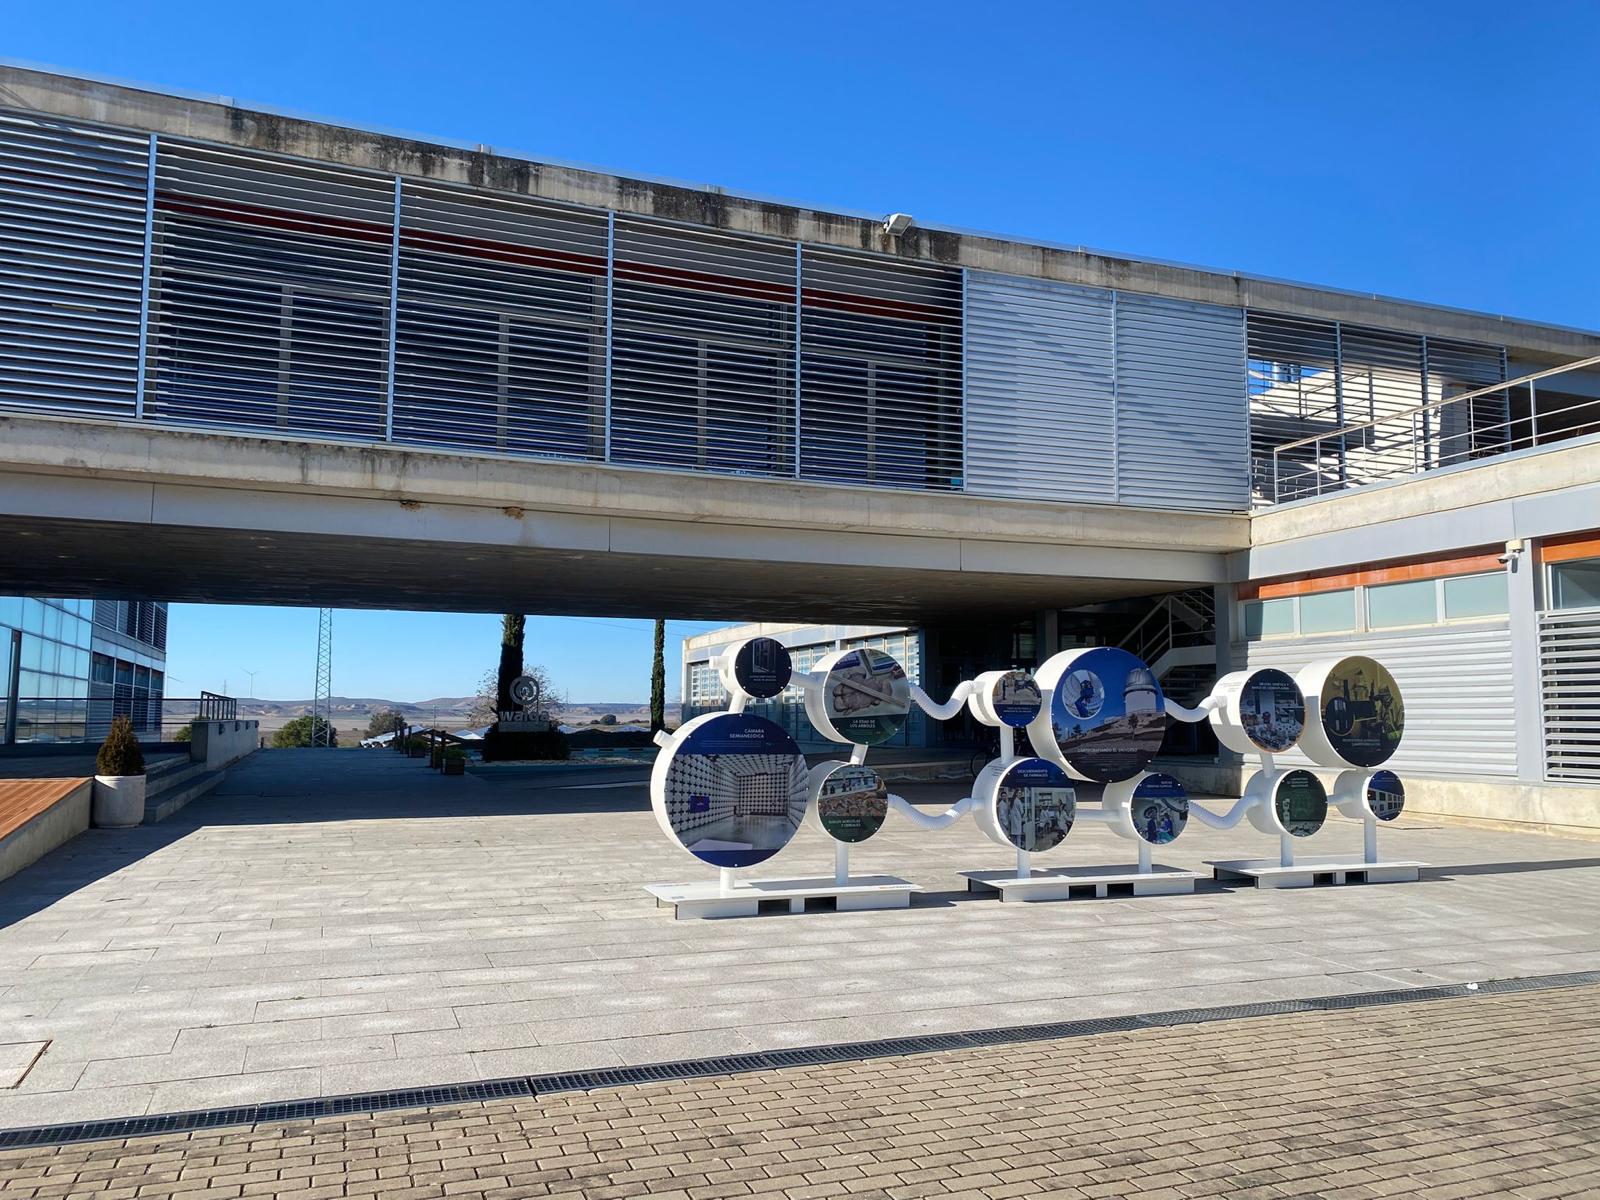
(184, 732)
(120, 753)
(298, 732)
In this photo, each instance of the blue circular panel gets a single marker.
(1108, 715)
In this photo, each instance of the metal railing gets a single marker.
(52, 719)
(1179, 619)
(1482, 423)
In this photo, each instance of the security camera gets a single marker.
(1514, 549)
(897, 223)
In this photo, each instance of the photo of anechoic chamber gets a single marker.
(731, 804)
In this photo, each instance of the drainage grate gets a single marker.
(523, 1086)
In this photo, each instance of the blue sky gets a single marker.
(1447, 152)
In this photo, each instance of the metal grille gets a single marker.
(880, 373)
(1474, 428)
(1041, 400)
(72, 236)
(500, 328)
(1569, 660)
(1294, 391)
(1180, 405)
(702, 356)
(270, 295)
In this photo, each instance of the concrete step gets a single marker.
(159, 804)
(170, 778)
(158, 768)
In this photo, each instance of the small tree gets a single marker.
(485, 710)
(120, 753)
(301, 731)
(387, 721)
(658, 680)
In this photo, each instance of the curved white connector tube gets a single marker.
(943, 712)
(931, 821)
(662, 738)
(1199, 713)
(1225, 820)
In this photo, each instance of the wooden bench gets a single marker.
(37, 815)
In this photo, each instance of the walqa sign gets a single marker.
(733, 788)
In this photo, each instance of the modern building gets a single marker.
(67, 667)
(254, 356)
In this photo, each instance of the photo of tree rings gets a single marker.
(1034, 804)
(1301, 803)
(852, 803)
(1160, 809)
(736, 790)
(1272, 711)
(867, 697)
(762, 667)
(1362, 712)
(1126, 715)
(1386, 795)
(1016, 699)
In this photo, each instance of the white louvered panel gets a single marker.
(1039, 389)
(270, 294)
(1181, 414)
(500, 327)
(702, 353)
(72, 216)
(880, 372)
(1456, 684)
(1569, 661)
(1381, 375)
(1474, 428)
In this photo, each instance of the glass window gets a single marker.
(1575, 584)
(1476, 596)
(1268, 618)
(32, 616)
(11, 611)
(1395, 604)
(1328, 612)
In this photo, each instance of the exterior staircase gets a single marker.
(170, 783)
(1178, 638)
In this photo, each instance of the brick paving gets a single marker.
(1493, 1095)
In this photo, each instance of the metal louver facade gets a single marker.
(1103, 397)
(1454, 680)
(1309, 377)
(1569, 668)
(880, 372)
(73, 207)
(165, 279)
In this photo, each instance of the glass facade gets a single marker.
(1575, 584)
(1386, 606)
(77, 664)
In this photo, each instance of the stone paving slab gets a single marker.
(350, 921)
(1492, 1095)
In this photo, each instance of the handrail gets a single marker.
(1430, 405)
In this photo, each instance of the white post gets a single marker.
(1369, 839)
(1022, 864)
(841, 863)
(858, 755)
(1285, 850)
(725, 881)
(1144, 857)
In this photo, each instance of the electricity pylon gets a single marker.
(322, 694)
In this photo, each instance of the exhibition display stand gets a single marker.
(731, 788)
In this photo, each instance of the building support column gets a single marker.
(1527, 696)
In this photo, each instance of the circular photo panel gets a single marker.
(1363, 715)
(852, 803)
(1107, 715)
(731, 789)
(1272, 712)
(1159, 809)
(761, 668)
(864, 699)
(1300, 803)
(1386, 795)
(1015, 698)
(1034, 805)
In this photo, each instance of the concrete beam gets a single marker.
(229, 122)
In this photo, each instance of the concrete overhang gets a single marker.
(109, 509)
(1526, 494)
(227, 121)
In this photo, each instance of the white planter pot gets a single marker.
(118, 801)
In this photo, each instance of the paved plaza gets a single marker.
(328, 923)
(1486, 1096)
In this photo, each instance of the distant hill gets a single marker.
(353, 712)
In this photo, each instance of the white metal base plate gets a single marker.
(1072, 883)
(706, 898)
(1314, 872)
